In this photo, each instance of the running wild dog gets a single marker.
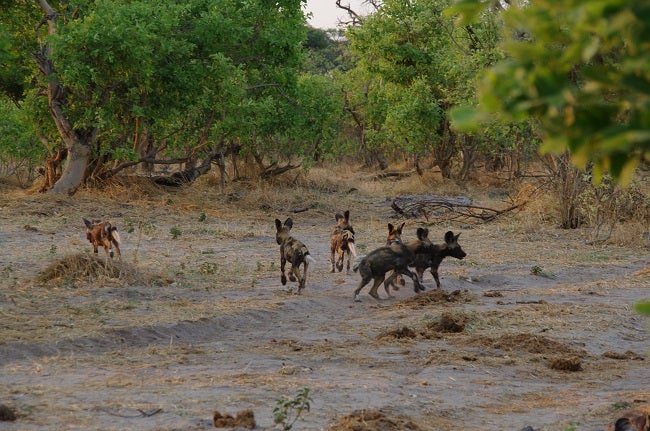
(342, 242)
(436, 254)
(292, 251)
(395, 257)
(104, 234)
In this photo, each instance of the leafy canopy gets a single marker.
(581, 68)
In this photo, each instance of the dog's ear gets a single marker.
(422, 233)
(88, 224)
(399, 229)
(278, 224)
(346, 214)
(449, 237)
(390, 227)
(288, 223)
(338, 216)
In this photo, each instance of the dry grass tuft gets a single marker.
(572, 363)
(631, 234)
(374, 420)
(131, 187)
(449, 322)
(84, 267)
(541, 209)
(436, 296)
(530, 343)
(398, 334)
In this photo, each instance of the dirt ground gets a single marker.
(533, 328)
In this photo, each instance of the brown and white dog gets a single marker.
(292, 251)
(104, 234)
(342, 242)
(394, 237)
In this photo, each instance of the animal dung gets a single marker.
(244, 419)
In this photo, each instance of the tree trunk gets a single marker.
(52, 170)
(74, 170)
(78, 143)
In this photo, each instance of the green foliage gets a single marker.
(643, 307)
(539, 271)
(580, 69)
(414, 64)
(289, 410)
(18, 136)
(325, 51)
(184, 76)
(175, 232)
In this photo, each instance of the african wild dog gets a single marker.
(292, 251)
(633, 419)
(436, 254)
(395, 235)
(395, 257)
(342, 242)
(104, 234)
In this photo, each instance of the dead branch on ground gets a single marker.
(433, 207)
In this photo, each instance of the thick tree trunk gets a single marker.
(74, 169)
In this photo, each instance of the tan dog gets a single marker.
(292, 251)
(104, 234)
(342, 242)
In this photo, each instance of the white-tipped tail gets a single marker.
(353, 249)
(310, 259)
(116, 236)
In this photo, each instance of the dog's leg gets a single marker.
(293, 272)
(339, 263)
(283, 262)
(434, 272)
(417, 286)
(294, 275)
(365, 279)
(303, 280)
(373, 289)
(348, 268)
(117, 250)
(333, 257)
(419, 271)
(390, 281)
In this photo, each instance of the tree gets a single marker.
(420, 64)
(579, 68)
(128, 82)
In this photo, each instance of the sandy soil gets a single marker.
(543, 331)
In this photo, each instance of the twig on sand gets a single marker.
(142, 414)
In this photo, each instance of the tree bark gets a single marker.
(74, 170)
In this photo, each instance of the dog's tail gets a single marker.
(309, 259)
(115, 235)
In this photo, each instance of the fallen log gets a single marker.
(435, 207)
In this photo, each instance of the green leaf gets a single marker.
(643, 307)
